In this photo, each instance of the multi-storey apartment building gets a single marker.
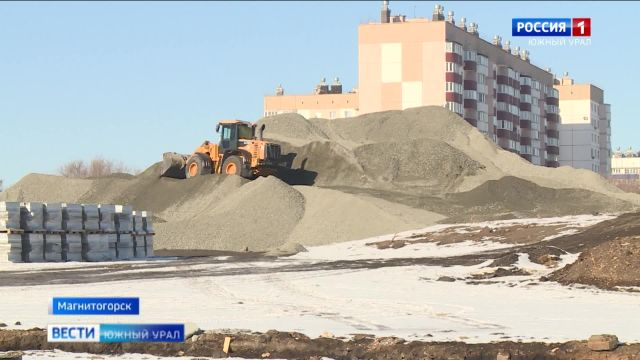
(585, 126)
(625, 165)
(404, 63)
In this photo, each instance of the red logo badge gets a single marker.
(581, 27)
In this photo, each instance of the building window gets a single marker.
(481, 79)
(483, 60)
(471, 94)
(454, 48)
(455, 107)
(506, 125)
(453, 67)
(453, 87)
(482, 98)
(470, 55)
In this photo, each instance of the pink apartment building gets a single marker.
(404, 63)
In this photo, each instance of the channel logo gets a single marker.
(116, 333)
(551, 27)
(73, 333)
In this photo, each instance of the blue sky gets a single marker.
(131, 80)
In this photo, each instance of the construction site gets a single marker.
(401, 232)
(410, 231)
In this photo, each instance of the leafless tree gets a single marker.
(98, 167)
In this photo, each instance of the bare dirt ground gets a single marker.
(609, 259)
(291, 345)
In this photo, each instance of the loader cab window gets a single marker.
(245, 132)
(229, 139)
(226, 133)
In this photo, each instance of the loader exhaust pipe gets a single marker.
(260, 132)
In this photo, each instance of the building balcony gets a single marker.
(470, 85)
(525, 124)
(453, 97)
(453, 77)
(553, 117)
(502, 80)
(470, 104)
(553, 133)
(554, 150)
(552, 101)
(551, 163)
(524, 140)
(526, 157)
(453, 57)
(525, 89)
(525, 106)
(473, 122)
(470, 65)
(503, 133)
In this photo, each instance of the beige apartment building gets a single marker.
(404, 63)
(625, 165)
(585, 126)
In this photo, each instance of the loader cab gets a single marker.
(231, 131)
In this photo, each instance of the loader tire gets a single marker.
(198, 164)
(233, 166)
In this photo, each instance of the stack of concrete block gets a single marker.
(32, 219)
(138, 235)
(32, 216)
(35, 232)
(53, 223)
(53, 247)
(10, 243)
(9, 215)
(10, 247)
(71, 217)
(91, 217)
(95, 248)
(108, 227)
(124, 227)
(107, 220)
(53, 216)
(72, 247)
(72, 225)
(33, 247)
(147, 224)
(124, 247)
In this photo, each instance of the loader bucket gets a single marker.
(173, 165)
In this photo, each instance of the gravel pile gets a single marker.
(392, 150)
(334, 216)
(46, 188)
(258, 216)
(375, 174)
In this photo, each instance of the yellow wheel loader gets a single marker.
(240, 152)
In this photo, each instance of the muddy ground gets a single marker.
(291, 345)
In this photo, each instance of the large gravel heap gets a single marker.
(375, 174)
